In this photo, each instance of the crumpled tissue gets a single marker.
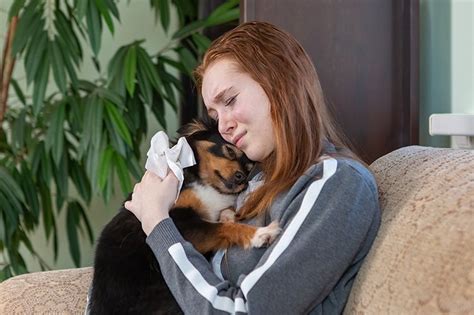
(161, 157)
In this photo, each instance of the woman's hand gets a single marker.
(152, 199)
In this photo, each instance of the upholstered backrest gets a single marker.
(422, 260)
(49, 292)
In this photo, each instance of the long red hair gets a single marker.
(301, 120)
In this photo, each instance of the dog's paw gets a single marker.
(227, 215)
(264, 236)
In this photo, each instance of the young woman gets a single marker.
(260, 85)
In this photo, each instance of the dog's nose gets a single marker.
(239, 177)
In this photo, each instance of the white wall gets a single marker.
(446, 62)
(462, 56)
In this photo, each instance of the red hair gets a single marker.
(300, 118)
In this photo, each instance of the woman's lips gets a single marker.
(238, 140)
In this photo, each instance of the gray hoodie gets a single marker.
(329, 217)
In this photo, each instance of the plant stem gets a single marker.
(6, 67)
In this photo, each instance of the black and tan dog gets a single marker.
(127, 278)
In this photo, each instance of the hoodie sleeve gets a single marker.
(313, 261)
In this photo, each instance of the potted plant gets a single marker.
(85, 132)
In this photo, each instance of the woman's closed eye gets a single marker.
(230, 100)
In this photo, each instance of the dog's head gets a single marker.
(219, 163)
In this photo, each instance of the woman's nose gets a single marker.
(226, 125)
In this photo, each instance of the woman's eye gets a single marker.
(230, 100)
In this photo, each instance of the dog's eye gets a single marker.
(229, 152)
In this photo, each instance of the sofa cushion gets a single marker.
(51, 292)
(422, 260)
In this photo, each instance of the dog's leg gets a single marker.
(210, 236)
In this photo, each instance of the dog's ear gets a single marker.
(198, 126)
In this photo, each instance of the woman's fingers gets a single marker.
(128, 205)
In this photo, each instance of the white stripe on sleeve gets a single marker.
(209, 292)
(329, 168)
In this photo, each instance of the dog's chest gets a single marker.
(212, 200)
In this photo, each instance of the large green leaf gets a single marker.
(39, 89)
(80, 180)
(168, 82)
(145, 87)
(111, 96)
(71, 71)
(18, 91)
(29, 190)
(187, 10)
(45, 167)
(158, 110)
(189, 29)
(17, 262)
(130, 69)
(188, 60)
(112, 6)
(116, 73)
(18, 128)
(104, 11)
(134, 167)
(105, 167)
(223, 9)
(146, 65)
(228, 16)
(57, 63)
(11, 185)
(115, 140)
(68, 38)
(87, 223)
(122, 171)
(55, 136)
(116, 63)
(35, 56)
(201, 41)
(164, 9)
(10, 215)
(28, 22)
(118, 122)
(94, 27)
(49, 222)
(92, 124)
(72, 222)
(61, 181)
(81, 8)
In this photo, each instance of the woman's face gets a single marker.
(241, 108)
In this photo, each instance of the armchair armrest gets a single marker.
(58, 292)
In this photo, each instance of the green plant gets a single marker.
(84, 133)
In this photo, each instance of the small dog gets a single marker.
(127, 278)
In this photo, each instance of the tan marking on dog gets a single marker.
(188, 199)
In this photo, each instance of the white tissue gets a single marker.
(161, 157)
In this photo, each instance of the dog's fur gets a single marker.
(127, 278)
